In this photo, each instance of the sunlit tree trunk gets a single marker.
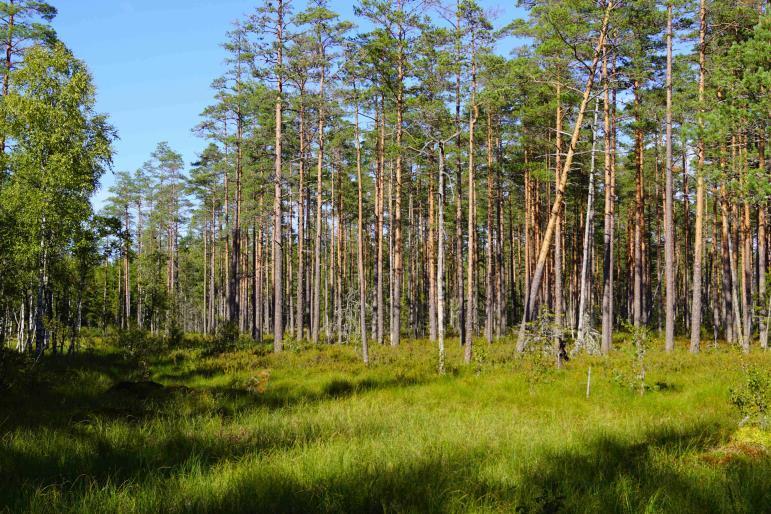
(471, 285)
(669, 233)
(278, 298)
(360, 244)
(558, 314)
(440, 261)
(396, 299)
(489, 263)
(607, 260)
(698, 244)
(585, 291)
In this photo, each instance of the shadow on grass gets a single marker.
(660, 472)
(233, 400)
(61, 388)
(67, 389)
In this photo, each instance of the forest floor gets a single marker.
(126, 428)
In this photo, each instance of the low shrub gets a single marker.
(751, 397)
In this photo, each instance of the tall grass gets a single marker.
(313, 430)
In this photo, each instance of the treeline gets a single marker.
(408, 180)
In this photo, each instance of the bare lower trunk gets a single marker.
(360, 247)
(558, 314)
(300, 292)
(588, 237)
(440, 263)
(607, 259)
(380, 168)
(471, 266)
(639, 217)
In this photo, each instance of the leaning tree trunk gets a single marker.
(558, 312)
(560, 192)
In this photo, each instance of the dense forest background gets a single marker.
(406, 181)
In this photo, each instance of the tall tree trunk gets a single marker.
(588, 238)
(735, 315)
(460, 298)
(669, 233)
(639, 217)
(127, 273)
(338, 274)
(696, 309)
(235, 255)
(380, 170)
(746, 250)
(315, 321)
(278, 299)
(607, 260)
(558, 314)
(396, 299)
(489, 264)
(360, 244)
(300, 292)
(440, 262)
(431, 258)
(471, 285)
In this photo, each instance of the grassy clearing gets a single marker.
(313, 430)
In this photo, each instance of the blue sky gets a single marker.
(153, 62)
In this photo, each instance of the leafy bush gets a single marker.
(751, 398)
(139, 343)
(175, 337)
(225, 340)
(631, 374)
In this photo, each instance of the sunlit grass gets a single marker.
(313, 429)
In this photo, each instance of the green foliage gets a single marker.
(752, 397)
